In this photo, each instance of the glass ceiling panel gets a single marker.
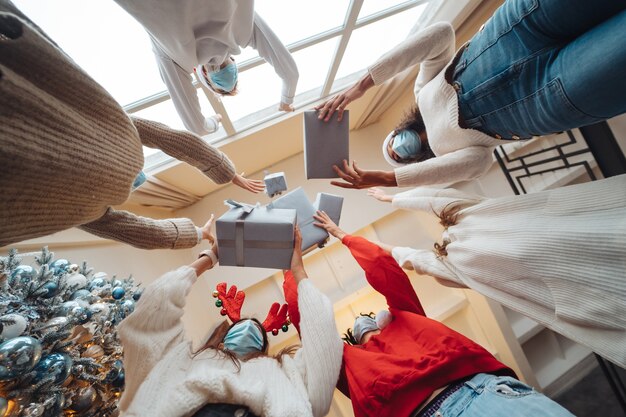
(369, 42)
(371, 7)
(104, 40)
(296, 20)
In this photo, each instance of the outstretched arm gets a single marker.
(184, 95)
(381, 271)
(155, 327)
(272, 50)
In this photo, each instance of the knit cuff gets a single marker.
(187, 233)
(380, 73)
(286, 99)
(406, 176)
(221, 173)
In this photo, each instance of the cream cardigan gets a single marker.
(461, 154)
(557, 256)
(165, 379)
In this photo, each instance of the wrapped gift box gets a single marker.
(325, 144)
(297, 199)
(331, 204)
(275, 183)
(256, 236)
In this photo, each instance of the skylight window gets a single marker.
(330, 45)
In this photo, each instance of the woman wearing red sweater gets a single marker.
(413, 365)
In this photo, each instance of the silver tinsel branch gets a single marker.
(59, 350)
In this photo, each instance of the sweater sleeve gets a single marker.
(179, 84)
(384, 274)
(143, 232)
(433, 199)
(432, 47)
(272, 50)
(426, 262)
(462, 165)
(290, 290)
(187, 147)
(154, 328)
(322, 349)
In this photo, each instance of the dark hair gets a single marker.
(449, 216)
(412, 120)
(219, 333)
(348, 336)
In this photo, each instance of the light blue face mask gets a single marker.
(362, 325)
(243, 338)
(140, 179)
(226, 78)
(407, 144)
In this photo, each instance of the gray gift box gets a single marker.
(275, 183)
(297, 199)
(256, 236)
(331, 204)
(325, 144)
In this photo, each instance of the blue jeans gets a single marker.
(496, 396)
(544, 66)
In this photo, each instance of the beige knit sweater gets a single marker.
(557, 256)
(165, 379)
(69, 152)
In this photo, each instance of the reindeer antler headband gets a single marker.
(232, 301)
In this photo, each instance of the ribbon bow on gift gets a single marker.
(232, 300)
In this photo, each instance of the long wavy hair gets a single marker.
(219, 333)
(412, 120)
(449, 216)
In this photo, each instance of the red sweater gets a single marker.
(397, 370)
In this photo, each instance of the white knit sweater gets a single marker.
(189, 33)
(558, 256)
(461, 154)
(164, 379)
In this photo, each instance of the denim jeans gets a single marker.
(496, 396)
(544, 66)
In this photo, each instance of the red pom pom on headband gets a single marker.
(232, 300)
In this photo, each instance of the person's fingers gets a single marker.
(356, 168)
(341, 108)
(343, 184)
(342, 174)
(333, 106)
(348, 170)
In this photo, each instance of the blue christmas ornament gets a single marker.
(80, 314)
(128, 306)
(26, 272)
(49, 289)
(118, 293)
(80, 295)
(59, 266)
(119, 381)
(18, 356)
(57, 365)
(137, 295)
(96, 282)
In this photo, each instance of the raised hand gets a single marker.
(253, 186)
(341, 100)
(326, 223)
(357, 178)
(207, 233)
(380, 195)
(297, 265)
(285, 107)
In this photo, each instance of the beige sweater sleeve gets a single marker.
(187, 147)
(154, 328)
(143, 232)
(432, 47)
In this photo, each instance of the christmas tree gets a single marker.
(59, 350)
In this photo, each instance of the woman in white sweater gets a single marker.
(202, 36)
(166, 378)
(562, 262)
(536, 67)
